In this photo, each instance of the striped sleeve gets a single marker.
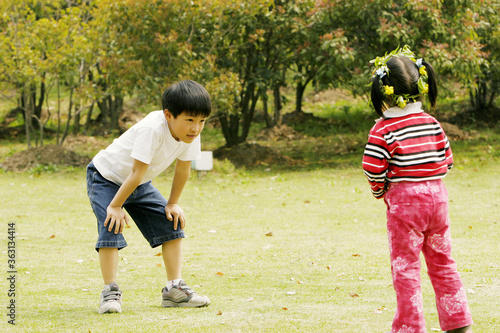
(375, 163)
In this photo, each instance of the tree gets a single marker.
(484, 93)
(231, 34)
(43, 46)
(145, 47)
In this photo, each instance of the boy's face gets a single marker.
(185, 127)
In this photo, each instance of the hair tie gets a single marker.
(381, 72)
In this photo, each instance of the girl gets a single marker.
(405, 158)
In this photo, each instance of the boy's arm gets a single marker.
(181, 175)
(115, 214)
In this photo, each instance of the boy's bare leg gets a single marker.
(110, 300)
(172, 258)
(179, 295)
(108, 258)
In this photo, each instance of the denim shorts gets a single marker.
(145, 205)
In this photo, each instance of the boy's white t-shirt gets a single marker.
(148, 141)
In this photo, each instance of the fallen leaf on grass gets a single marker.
(219, 313)
(354, 295)
(356, 255)
(219, 274)
(307, 201)
(158, 254)
(159, 265)
(53, 236)
(285, 308)
(328, 267)
(269, 234)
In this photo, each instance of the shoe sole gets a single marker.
(110, 308)
(172, 304)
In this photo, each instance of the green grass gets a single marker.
(328, 244)
(328, 247)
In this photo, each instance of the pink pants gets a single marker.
(417, 220)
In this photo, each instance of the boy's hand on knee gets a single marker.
(176, 214)
(117, 218)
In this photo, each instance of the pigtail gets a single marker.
(377, 96)
(431, 81)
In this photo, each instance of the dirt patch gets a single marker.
(129, 118)
(252, 154)
(453, 132)
(276, 133)
(45, 155)
(299, 117)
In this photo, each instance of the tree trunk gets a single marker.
(278, 116)
(116, 110)
(247, 120)
(228, 129)
(27, 115)
(70, 107)
(89, 119)
(299, 94)
(265, 112)
(111, 110)
(76, 120)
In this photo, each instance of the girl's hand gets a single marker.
(174, 213)
(116, 218)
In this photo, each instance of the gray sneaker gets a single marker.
(111, 299)
(182, 296)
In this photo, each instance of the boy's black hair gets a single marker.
(187, 96)
(403, 76)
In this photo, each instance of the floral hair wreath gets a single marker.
(382, 70)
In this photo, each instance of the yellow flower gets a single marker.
(388, 90)
(425, 89)
(422, 71)
(401, 102)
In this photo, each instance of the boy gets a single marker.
(120, 177)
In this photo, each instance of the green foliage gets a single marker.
(104, 50)
(41, 169)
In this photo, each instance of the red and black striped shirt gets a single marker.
(409, 146)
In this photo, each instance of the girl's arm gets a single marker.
(173, 210)
(375, 164)
(116, 217)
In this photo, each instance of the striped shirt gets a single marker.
(406, 145)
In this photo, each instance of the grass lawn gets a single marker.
(275, 250)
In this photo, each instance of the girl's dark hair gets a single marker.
(187, 96)
(403, 76)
